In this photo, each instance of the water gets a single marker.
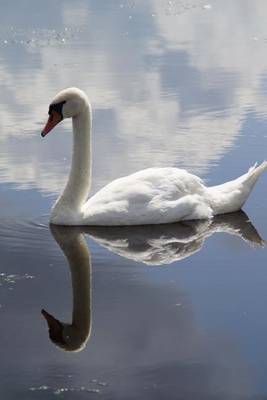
(172, 312)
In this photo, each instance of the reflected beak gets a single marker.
(51, 321)
(53, 120)
(55, 327)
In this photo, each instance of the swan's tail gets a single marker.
(230, 196)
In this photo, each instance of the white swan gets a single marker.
(150, 196)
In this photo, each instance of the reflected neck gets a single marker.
(74, 247)
(80, 268)
(78, 185)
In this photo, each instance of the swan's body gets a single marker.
(150, 196)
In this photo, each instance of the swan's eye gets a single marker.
(57, 107)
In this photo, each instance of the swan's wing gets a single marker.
(154, 195)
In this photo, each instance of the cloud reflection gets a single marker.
(168, 87)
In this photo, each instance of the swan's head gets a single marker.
(68, 103)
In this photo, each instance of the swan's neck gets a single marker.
(78, 185)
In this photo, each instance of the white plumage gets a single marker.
(150, 196)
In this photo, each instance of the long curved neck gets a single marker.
(78, 185)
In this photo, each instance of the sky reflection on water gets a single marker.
(171, 84)
(146, 336)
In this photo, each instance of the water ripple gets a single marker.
(24, 235)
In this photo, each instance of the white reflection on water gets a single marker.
(168, 87)
(165, 244)
(151, 245)
(166, 348)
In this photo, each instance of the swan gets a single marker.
(73, 336)
(150, 196)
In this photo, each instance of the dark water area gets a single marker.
(163, 312)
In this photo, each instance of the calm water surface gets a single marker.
(168, 312)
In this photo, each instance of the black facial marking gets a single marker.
(56, 107)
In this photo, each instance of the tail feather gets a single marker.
(256, 170)
(230, 196)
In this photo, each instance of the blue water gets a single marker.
(173, 312)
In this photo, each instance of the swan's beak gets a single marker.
(53, 120)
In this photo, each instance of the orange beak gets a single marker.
(53, 120)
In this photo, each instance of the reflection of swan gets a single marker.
(73, 337)
(151, 196)
(154, 245)
(163, 244)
